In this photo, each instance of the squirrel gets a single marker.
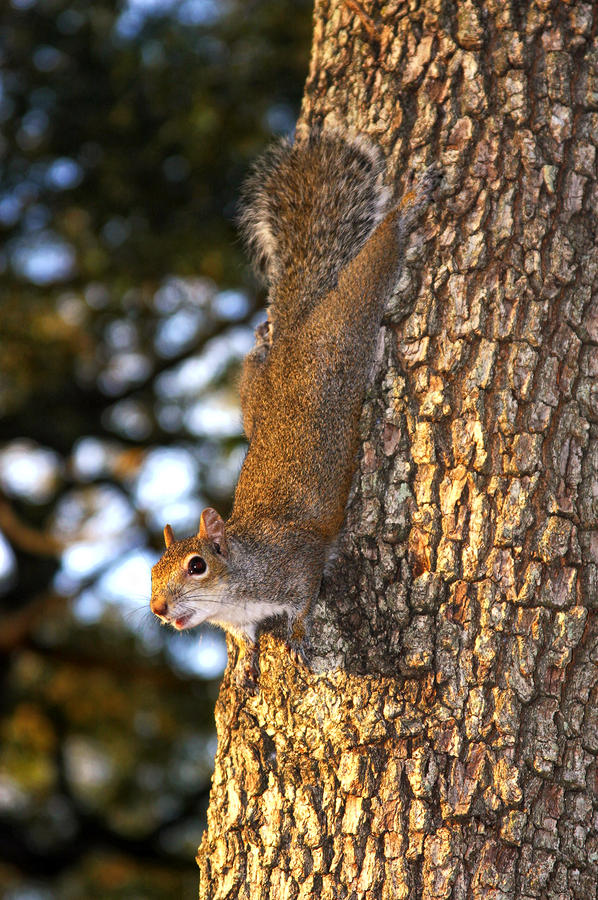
(317, 217)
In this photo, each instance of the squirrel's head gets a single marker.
(189, 581)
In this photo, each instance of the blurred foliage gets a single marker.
(125, 308)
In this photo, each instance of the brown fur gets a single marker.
(312, 217)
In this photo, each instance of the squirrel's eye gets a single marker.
(196, 565)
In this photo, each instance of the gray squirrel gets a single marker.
(318, 220)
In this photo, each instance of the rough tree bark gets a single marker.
(445, 744)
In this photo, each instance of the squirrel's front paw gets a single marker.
(298, 644)
(247, 671)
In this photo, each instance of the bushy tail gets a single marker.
(308, 208)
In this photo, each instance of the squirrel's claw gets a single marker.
(298, 653)
(247, 673)
(297, 643)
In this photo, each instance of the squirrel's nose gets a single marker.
(158, 606)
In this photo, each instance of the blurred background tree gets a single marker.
(126, 307)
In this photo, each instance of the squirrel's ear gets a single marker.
(168, 536)
(211, 528)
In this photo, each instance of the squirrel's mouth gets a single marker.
(181, 621)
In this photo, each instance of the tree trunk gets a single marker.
(445, 744)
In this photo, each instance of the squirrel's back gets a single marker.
(307, 210)
(317, 217)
